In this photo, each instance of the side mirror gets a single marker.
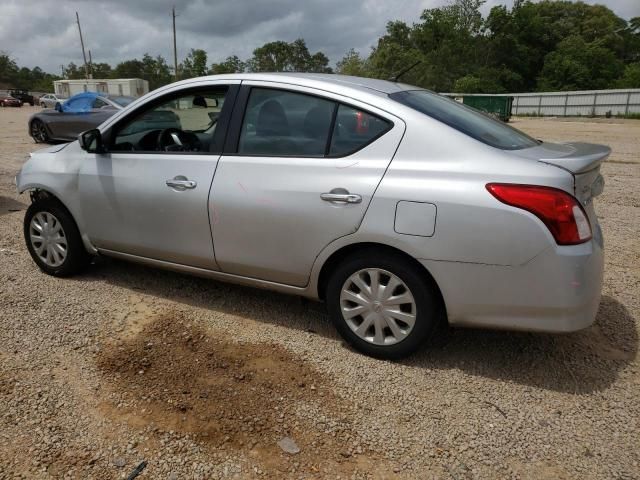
(91, 141)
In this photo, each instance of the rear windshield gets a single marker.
(465, 119)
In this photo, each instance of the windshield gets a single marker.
(466, 120)
(122, 101)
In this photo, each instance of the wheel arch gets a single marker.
(340, 254)
(37, 192)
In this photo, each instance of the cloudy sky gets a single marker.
(44, 32)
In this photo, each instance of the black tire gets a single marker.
(77, 258)
(39, 132)
(429, 313)
(42, 105)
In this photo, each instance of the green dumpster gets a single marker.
(495, 105)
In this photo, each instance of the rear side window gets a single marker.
(354, 129)
(281, 123)
(466, 120)
(285, 123)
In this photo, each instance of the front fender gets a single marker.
(55, 171)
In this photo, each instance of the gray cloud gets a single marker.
(44, 33)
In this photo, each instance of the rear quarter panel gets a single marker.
(442, 166)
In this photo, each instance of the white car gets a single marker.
(49, 100)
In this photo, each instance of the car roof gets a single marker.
(318, 80)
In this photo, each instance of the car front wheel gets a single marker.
(383, 305)
(53, 239)
(39, 131)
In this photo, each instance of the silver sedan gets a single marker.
(49, 100)
(401, 209)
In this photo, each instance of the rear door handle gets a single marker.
(341, 197)
(181, 184)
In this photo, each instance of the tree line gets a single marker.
(548, 45)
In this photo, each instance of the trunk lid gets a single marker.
(581, 160)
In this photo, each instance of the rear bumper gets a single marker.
(557, 291)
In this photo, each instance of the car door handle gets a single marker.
(181, 184)
(341, 197)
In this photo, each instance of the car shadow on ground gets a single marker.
(580, 362)
(9, 205)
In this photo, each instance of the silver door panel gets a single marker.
(268, 218)
(128, 206)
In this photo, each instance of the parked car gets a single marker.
(50, 100)
(24, 96)
(9, 101)
(80, 112)
(398, 207)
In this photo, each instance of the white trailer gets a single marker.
(132, 87)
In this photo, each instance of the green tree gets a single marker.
(477, 84)
(195, 64)
(101, 70)
(156, 71)
(281, 56)
(577, 65)
(631, 77)
(8, 68)
(352, 64)
(271, 57)
(72, 72)
(231, 64)
(133, 68)
(533, 45)
(318, 63)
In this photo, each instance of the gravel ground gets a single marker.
(202, 379)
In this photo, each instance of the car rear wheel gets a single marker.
(383, 305)
(53, 239)
(39, 131)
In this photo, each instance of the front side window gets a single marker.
(184, 123)
(282, 123)
(466, 120)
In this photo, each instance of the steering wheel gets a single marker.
(176, 140)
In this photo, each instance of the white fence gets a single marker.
(584, 103)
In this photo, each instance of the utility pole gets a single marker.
(175, 48)
(90, 65)
(84, 56)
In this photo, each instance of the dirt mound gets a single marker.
(177, 376)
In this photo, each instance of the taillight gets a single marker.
(559, 211)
